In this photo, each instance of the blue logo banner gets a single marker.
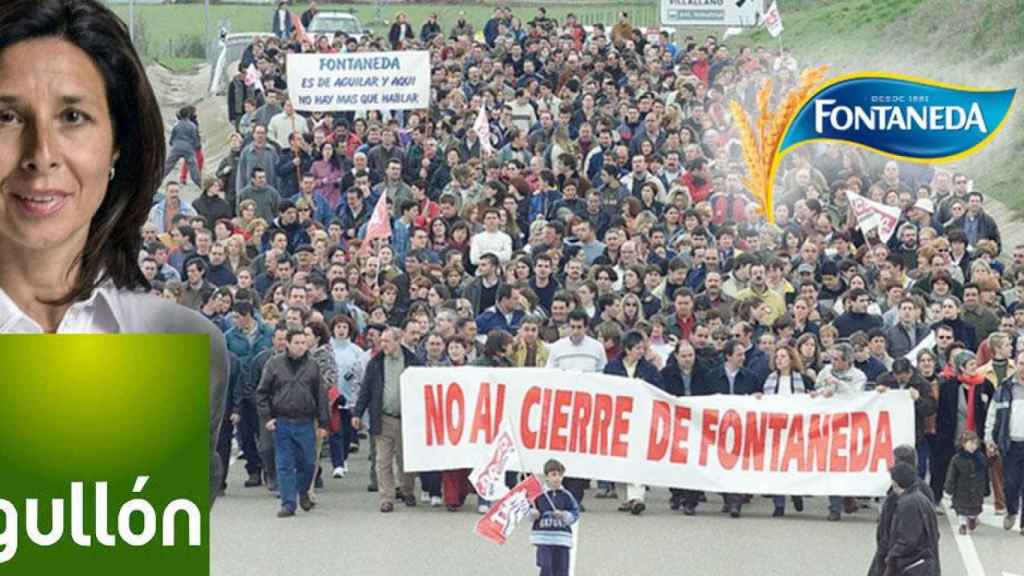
(901, 116)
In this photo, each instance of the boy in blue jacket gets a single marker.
(554, 512)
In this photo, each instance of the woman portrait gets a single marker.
(81, 157)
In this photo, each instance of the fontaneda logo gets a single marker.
(104, 448)
(901, 116)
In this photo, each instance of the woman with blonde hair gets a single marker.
(254, 231)
(237, 259)
(632, 311)
(246, 214)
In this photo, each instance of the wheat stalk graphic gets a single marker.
(761, 146)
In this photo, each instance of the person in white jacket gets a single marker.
(491, 240)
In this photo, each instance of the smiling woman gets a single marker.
(81, 157)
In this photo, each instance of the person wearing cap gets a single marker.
(921, 213)
(914, 531)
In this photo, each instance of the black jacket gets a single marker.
(371, 394)
(286, 391)
(672, 379)
(913, 535)
(966, 480)
(644, 371)
(885, 525)
(948, 412)
(746, 382)
(924, 406)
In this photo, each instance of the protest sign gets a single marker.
(488, 478)
(709, 12)
(773, 20)
(501, 520)
(359, 81)
(871, 214)
(624, 430)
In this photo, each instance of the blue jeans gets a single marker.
(923, 453)
(835, 504)
(339, 442)
(780, 501)
(294, 442)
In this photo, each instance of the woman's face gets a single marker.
(248, 212)
(782, 362)
(341, 331)
(438, 228)
(56, 146)
(808, 348)
(433, 298)
(456, 351)
(328, 151)
(926, 365)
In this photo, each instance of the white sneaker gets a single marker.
(339, 472)
(435, 501)
(483, 508)
(424, 497)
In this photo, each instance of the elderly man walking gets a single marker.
(381, 393)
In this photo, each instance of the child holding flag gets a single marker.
(553, 514)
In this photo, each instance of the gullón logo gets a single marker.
(103, 534)
(105, 454)
(904, 117)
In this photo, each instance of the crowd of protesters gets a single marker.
(606, 229)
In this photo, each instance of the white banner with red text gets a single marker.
(625, 430)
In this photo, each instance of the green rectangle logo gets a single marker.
(104, 462)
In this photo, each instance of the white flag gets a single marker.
(773, 20)
(928, 342)
(254, 77)
(483, 131)
(871, 214)
(489, 477)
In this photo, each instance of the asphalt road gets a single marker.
(345, 534)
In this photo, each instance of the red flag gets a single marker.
(299, 30)
(379, 225)
(499, 522)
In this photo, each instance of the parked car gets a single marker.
(225, 58)
(331, 22)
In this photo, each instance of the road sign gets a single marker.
(710, 12)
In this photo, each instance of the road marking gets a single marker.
(968, 553)
(575, 543)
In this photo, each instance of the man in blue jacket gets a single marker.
(246, 340)
(504, 315)
(632, 364)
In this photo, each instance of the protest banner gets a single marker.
(624, 430)
(359, 81)
(501, 520)
(488, 478)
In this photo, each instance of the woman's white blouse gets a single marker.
(102, 313)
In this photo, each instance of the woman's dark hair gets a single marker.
(115, 231)
(497, 341)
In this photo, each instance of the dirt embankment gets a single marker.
(174, 91)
